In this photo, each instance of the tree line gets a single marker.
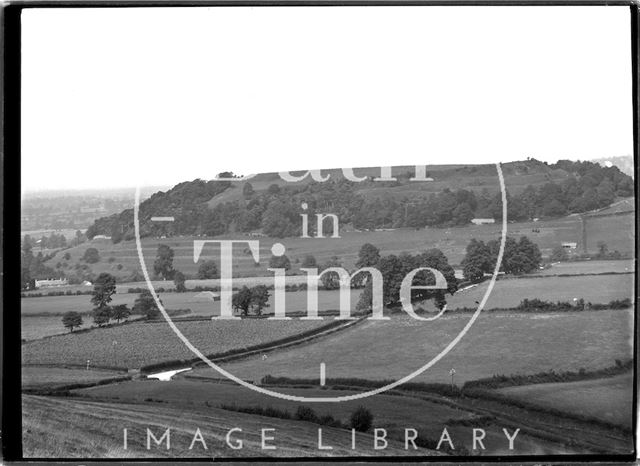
(276, 211)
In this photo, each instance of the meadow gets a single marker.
(138, 344)
(392, 412)
(608, 399)
(509, 292)
(498, 343)
(42, 317)
(616, 231)
(73, 428)
(35, 377)
(591, 266)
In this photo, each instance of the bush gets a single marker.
(361, 419)
(91, 256)
(304, 413)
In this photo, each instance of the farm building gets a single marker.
(569, 245)
(483, 221)
(459, 274)
(101, 237)
(50, 283)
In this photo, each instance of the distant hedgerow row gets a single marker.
(502, 381)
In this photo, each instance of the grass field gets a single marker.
(592, 266)
(390, 411)
(617, 232)
(498, 343)
(609, 399)
(138, 344)
(510, 292)
(71, 428)
(58, 305)
(50, 377)
(42, 317)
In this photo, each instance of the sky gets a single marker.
(125, 97)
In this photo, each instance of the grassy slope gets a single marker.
(616, 231)
(609, 399)
(36, 377)
(498, 343)
(510, 292)
(393, 412)
(139, 344)
(58, 427)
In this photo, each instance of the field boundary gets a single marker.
(240, 353)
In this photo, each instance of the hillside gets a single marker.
(456, 194)
(623, 162)
(95, 431)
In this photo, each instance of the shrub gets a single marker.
(361, 419)
(304, 413)
(91, 256)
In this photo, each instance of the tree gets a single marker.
(368, 256)
(462, 214)
(477, 261)
(361, 419)
(179, 279)
(559, 254)
(247, 190)
(101, 315)
(603, 250)
(91, 256)
(103, 288)
(309, 262)
(207, 270)
(163, 265)
(331, 280)
(280, 262)
(241, 300)
(71, 319)
(120, 312)
(66, 256)
(259, 298)
(146, 305)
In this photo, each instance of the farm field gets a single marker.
(392, 412)
(508, 293)
(42, 317)
(592, 266)
(609, 399)
(138, 344)
(43, 376)
(498, 343)
(616, 231)
(58, 305)
(63, 427)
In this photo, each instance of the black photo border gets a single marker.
(11, 438)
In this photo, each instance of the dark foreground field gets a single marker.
(74, 428)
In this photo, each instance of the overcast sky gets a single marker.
(120, 97)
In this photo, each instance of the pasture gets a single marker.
(49, 377)
(617, 232)
(498, 343)
(392, 412)
(509, 292)
(608, 399)
(137, 344)
(592, 266)
(72, 428)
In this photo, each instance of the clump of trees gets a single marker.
(71, 320)
(163, 265)
(253, 299)
(145, 305)
(91, 256)
(395, 268)
(361, 419)
(519, 257)
(208, 269)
